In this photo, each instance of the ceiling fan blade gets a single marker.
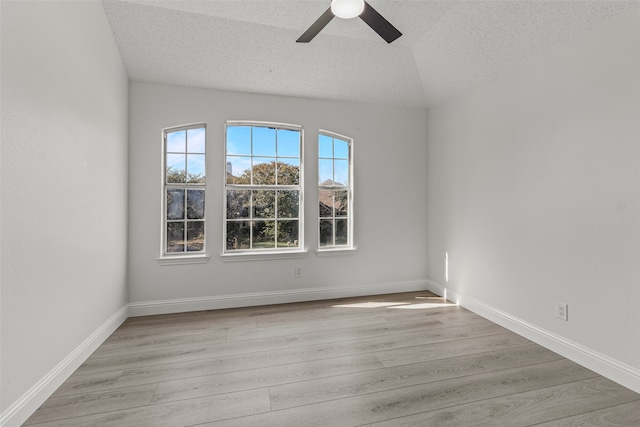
(380, 25)
(316, 27)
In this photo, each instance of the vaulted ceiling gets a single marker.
(447, 47)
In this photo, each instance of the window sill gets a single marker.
(260, 256)
(335, 252)
(184, 259)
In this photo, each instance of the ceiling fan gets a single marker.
(347, 9)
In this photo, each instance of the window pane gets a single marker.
(195, 236)
(264, 141)
(264, 171)
(195, 140)
(287, 234)
(341, 203)
(264, 204)
(175, 204)
(195, 204)
(340, 149)
(288, 143)
(239, 140)
(326, 232)
(175, 168)
(264, 234)
(238, 203)
(238, 170)
(175, 237)
(195, 168)
(341, 172)
(325, 146)
(176, 142)
(325, 172)
(288, 204)
(288, 171)
(325, 207)
(341, 232)
(238, 235)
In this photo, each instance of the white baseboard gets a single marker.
(604, 365)
(29, 402)
(181, 305)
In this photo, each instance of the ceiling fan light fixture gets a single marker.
(347, 9)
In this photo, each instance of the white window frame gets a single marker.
(350, 246)
(267, 253)
(183, 257)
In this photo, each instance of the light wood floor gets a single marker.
(393, 360)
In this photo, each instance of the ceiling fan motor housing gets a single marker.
(347, 9)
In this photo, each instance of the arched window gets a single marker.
(335, 191)
(184, 185)
(263, 187)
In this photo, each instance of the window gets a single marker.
(335, 191)
(263, 187)
(184, 190)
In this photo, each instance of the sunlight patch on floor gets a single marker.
(434, 303)
(370, 304)
(426, 305)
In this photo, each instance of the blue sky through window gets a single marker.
(333, 163)
(288, 143)
(239, 140)
(195, 140)
(176, 142)
(247, 145)
(264, 141)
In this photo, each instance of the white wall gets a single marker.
(390, 204)
(64, 192)
(534, 191)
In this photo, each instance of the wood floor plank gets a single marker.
(171, 327)
(77, 383)
(368, 330)
(441, 350)
(398, 339)
(627, 414)
(155, 343)
(59, 408)
(467, 367)
(528, 408)
(327, 326)
(263, 377)
(178, 355)
(337, 309)
(393, 326)
(385, 405)
(176, 414)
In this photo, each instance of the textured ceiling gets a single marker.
(447, 47)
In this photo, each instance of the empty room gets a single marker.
(320, 213)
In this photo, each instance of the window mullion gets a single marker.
(333, 217)
(185, 214)
(251, 219)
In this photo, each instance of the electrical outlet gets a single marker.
(298, 271)
(562, 311)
